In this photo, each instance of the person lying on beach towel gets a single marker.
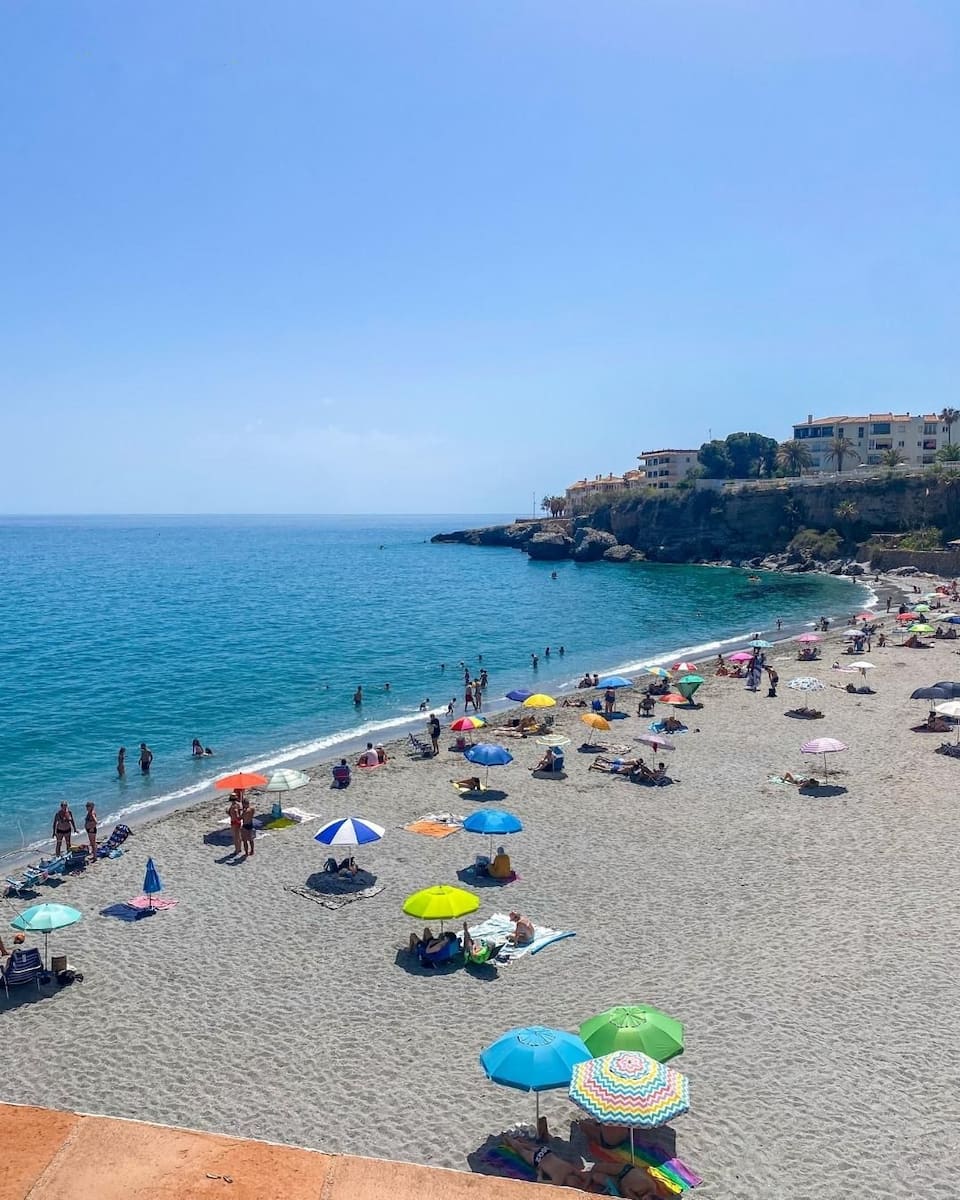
(573, 702)
(615, 766)
(467, 785)
(657, 777)
(631, 1182)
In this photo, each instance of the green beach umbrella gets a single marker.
(921, 608)
(920, 627)
(688, 685)
(637, 1027)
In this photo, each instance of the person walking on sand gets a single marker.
(63, 826)
(121, 762)
(90, 827)
(146, 758)
(247, 813)
(233, 812)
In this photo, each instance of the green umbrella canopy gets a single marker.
(638, 1027)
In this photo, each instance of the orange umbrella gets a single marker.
(595, 721)
(672, 698)
(240, 782)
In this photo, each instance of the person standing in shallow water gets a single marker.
(146, 758)
(121, 762)
(358, 696)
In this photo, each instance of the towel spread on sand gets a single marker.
(438, 825)
(497, 927)
(503, 1160)
(160, 902)
(335, 898)
(657, 727)
(675, 1175)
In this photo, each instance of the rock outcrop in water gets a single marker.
(745, 524)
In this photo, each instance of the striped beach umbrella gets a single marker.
(462, 724)
(629, 1088)
(349, 831)
(824, 746)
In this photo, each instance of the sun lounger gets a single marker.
(423, 749)
(29, 878)
(23, 966)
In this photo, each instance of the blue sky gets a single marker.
(412, 257)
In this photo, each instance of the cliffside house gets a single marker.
(917, 438)
(666, 468)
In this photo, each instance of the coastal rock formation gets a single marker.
(549, 545)
(622, 554)
(589, 545)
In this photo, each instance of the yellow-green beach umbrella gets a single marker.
(539, 700)
(920, 627)
(440, 903)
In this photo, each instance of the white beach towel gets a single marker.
(497, 927)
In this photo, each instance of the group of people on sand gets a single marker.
(629, 1180)
(64, 827)
(241, 813)
(434, 950)
(634, 768)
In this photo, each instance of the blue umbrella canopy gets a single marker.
(761, 644)
(45, 918)
(492, 821)
(151, 880)
(534, 1059)
(488, 754)
(349, 831)
(614, 681)
(519, 695)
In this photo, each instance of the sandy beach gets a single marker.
(808, 943)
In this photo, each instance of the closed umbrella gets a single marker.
(634, 1027)
(533, 1059)
(824, 746)
(46, 919)
(151, 883)
(492, 822)
(442, 902)
(488, 754)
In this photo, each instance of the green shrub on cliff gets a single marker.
(928, 537)
(816, 544)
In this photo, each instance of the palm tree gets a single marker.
(841, 447)
(950, 416)
(948, 453)
(794, 457)
(891, 458)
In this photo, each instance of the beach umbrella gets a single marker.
(687, 688)
(151, 882)
(934, 692)
(809, 637)
(951, 708)
(657, 741)
(349, 831)
(761, 644)
(850, 634)
(865, 616)
(240, 781)
(954, 620)
(555, 740)
(462, 724)
(686, 667)
(519, 695)
(866, 666)
(286, 780)
(920, 627)
(442, 902)
(952, 689)
(493, 823)
(806, 683)
(907, 616)
(629, 1088)
(693, 677)
(45, 919)
(488, 754)
(660, 672)
(539, 700)
(672, 698)
(739, 656)
(595, 721)
(824, 746)
(921, 608)
(533, 1059)
(638, 1027)
(614, 681)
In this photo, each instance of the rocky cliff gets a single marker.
(732, 525)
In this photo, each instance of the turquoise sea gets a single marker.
(252, 633)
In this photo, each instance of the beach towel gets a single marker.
(335, 898)
(504, 1161)
(159, 902)
(657, 727)
(438, 825)
(675, 1175)
(497, 927)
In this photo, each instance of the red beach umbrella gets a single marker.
(240, 781)
(672, 698)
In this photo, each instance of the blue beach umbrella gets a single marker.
(151, 881)
(488, 754)
(493, 822)
(519, 695)
(349, 831)
(534, 1059)
(614, 681)
(761, 644)
(45, 919)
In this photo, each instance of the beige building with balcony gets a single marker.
(916, 438)
(662, 469)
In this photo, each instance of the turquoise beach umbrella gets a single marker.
(46, 919)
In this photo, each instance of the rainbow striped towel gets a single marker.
(507, 1162)
(671, 1172)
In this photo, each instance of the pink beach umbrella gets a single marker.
(656, 741)
(740, 656)
(824, 746)
(809, 637)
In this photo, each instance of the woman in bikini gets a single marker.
(233, 812)
(63, 826)
(90, 826)
(246, 827)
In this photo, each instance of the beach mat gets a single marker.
(665, 1168)
(497, 1158)
(436, 825)
(469, 876)
(497, 927)
(339, 892)
(158, 902)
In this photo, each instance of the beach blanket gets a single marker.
(334, 899)
(438, 825)
(160, 902)
(673, 1174)
(657, 727)
(497, 927)
(506, 1162)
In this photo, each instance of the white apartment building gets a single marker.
(665, 468)
(917, 437)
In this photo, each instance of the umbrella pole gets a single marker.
(537, 1094)
(633, 1157)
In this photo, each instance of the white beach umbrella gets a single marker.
(286, 780)
(950, 708)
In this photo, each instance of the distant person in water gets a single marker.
(443, 666)
(146, 758)
(561, 651)
(197, 748)
(358, 695)
(121, 762)
(546, 653)
(63, 826)
(534, 661)
(386, 687)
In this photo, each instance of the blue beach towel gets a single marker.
(497, 927)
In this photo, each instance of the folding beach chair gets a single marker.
(23, 966)
(424, 749)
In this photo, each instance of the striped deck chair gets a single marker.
(23, 966)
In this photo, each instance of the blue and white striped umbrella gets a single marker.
(806, 683)
(349, 831)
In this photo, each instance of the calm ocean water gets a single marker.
(253, 633)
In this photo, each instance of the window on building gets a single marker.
(861, 432)
(880, 427)
(901, 444)
(873, 460)
(929, 427)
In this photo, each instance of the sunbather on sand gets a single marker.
(799, 781)
(523, 932)
(615, 766)
(670, 724)
(631, 1182)
(431, 950)
(471, 785)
